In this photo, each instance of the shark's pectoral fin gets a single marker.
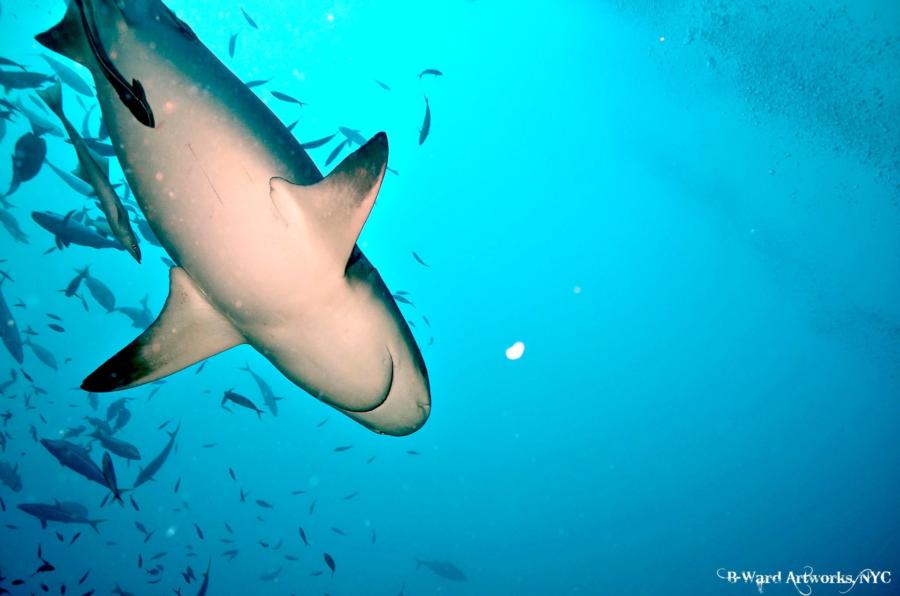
(189, 329)
(334, 209)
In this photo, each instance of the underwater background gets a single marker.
(688, 214)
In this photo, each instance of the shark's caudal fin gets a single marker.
(335, 208)
(67, 37)
(187, 331)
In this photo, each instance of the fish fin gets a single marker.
(43, 524)
(94, 522)
(336, 207)
(187, 331)
(67, 37)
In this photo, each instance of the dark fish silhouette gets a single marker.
(205, 585)
(141, 317)
(442, 569)
(11, 224)
(69, 76)
(157, 462)
(9, 331)
(8, 62)
(268, 577)
(42, 353)
(384, 86)
(318, 142)
(101, 293)
(232, 42)
(256, 83)
(240, 400)
(268, 395)
(28, 157)
(109, 473)
(97, 176)
(287, 98)
(329, 560)
(250, 21)
(431, 71)
(65, 513)
(426, 123)
(336, 151)
(303, 536)
(75, 458)
(419, 260)
(22, 80)
(9, 475)
(117, 446)
(68, 230)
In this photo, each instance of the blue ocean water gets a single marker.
(686, 212)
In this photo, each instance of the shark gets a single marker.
(265, 248)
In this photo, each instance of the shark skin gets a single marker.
(265, 246)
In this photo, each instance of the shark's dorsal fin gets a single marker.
(333, 210)
(189, 329)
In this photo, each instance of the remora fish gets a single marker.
(109, 200)
(157, 462)
(271, 228)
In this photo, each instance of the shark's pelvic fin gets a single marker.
(67, 37)
(335, 208)
(189, 329)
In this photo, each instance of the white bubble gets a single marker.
(170, 531)
(515, 351)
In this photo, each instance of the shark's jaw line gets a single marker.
(266, 248)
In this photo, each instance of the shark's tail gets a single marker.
(174, 432)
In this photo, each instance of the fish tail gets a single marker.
(246, 367)
(52, 96)
(94, 522)
(174, 432)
